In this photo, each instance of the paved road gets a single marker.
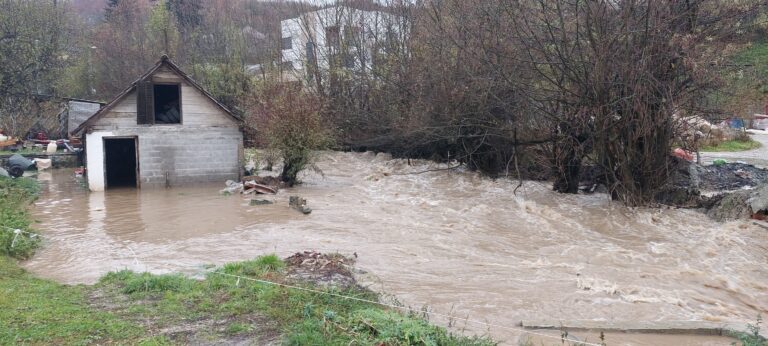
(757, 157)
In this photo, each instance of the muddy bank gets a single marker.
(453, 240)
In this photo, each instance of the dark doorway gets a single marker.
(167, 104)
(120, 162)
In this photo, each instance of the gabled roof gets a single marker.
(164, 61)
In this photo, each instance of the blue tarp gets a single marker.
(736, 123)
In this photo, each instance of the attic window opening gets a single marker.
(167, 101)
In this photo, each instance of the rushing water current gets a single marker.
(455, 241)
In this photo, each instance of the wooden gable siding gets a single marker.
(196, 108)
(122, 115)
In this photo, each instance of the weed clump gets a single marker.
(752, 337)
(148, 283)
(260, 266)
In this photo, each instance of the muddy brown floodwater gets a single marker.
(455, 241)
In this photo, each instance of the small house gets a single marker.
(163, 130)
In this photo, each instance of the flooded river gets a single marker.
(452, 240)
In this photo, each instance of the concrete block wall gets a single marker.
(174, 158)
(174, 155)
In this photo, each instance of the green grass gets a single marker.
(732, 145)
(756, 54)
(25, 151)
(745, 84)
(36, 311)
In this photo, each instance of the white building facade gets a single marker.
(338, 36)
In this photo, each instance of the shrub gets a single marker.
(289, 121)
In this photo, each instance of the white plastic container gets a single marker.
(43, 164)
(51, 149)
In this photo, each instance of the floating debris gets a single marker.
(299, 204)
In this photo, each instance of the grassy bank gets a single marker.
(36, 311)
(16, 237)
(732, 145)
(145, 309)
(225, 309)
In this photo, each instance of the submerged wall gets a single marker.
(172, 155)
(58, 160)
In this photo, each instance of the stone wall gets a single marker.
(58, 160)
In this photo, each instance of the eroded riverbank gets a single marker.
(454, 241)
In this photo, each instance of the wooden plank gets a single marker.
(145, 102)
(660, 327)
(127, 104)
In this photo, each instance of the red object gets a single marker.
(683, 154)
(41, 136)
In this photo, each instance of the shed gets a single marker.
(74, 113)
(163, 130)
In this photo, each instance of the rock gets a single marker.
(758, 199)
(732, 206)
(682, 190)
(680, 197)
(740, 204)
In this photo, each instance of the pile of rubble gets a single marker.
(253, 184)
(733, 190)
(729, 176)
(322, 269)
